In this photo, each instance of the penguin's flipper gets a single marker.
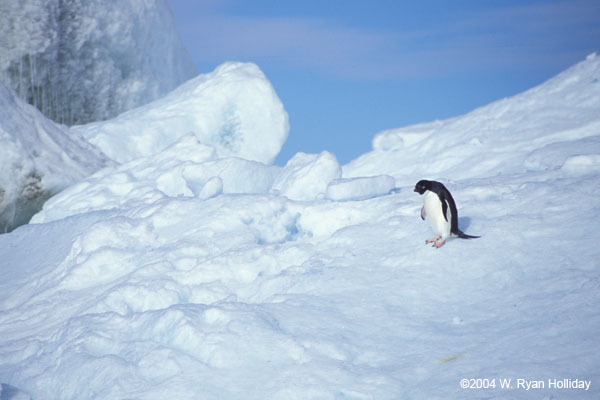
(423, 213)
(445, 209)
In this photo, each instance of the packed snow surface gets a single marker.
(186, 274)
(360, 188)
(234, 109)
(87, 60)
(38, 158)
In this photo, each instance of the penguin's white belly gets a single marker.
(433, 210)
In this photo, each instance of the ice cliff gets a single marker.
(87, 60)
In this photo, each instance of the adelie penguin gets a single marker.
(440, 209)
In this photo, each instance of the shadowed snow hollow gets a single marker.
(234, 109)
(87, 60)
(38, 158)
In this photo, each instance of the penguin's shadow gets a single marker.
(463, 223)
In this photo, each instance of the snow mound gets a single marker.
(87, 60)
(234, 109)
(38, 158)
(306, 176)
(187, 168)
(582, 164)
(533, 131)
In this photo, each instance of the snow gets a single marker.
(88, 60)
(187, 168)
(38, 158)
(306, 176)
(360, 188)
(234, 109)
(534, 131)
(9, 392)
(582, 164)
(188, 274)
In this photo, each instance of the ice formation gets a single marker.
(87, 60)
(187, 274)
(234, 109)
(38, 158)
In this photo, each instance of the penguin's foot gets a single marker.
(433, 240)
(437, 241)
(439, 244)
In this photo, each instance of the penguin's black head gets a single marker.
(422, 186)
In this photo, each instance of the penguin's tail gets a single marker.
(463, 235)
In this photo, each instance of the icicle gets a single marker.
(20, 87)
(34, 88)
(31, 87)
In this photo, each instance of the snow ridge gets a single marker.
(513, 135)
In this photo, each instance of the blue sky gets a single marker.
(346, 69)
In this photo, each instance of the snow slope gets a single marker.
(38, 158)
(537, 130)
(234, 109)
(173, 276)
(87, 60)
